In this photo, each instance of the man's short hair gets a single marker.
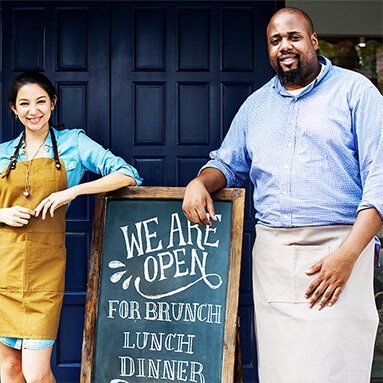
(299, 11)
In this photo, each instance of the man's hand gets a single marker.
(16, 216)
(196, 200)
(334, 271)
(54, 201)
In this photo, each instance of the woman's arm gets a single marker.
(108, 183)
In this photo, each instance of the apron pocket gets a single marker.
(12, 257)
(45, 267)
(280, 270)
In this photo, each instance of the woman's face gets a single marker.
(33, 107)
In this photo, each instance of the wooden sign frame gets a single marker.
(237, 196)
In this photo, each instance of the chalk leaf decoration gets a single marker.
(117, 276)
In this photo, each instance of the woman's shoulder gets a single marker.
(7, 148)
(68, 138)
(67, 133)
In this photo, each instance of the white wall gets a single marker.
(349, 18)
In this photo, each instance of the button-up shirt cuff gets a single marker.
(131, 173)
(372, 204)
(220, 166)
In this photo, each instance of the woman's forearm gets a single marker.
(108, 183)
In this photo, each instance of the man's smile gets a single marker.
(288, 59)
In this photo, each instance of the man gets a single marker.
(311, 142)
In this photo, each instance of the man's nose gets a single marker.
(285, 45)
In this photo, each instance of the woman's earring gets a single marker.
(16, 117)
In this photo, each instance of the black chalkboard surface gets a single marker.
(162, 310)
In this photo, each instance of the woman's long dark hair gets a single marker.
(31, 77)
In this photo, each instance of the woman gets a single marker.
(40, 175)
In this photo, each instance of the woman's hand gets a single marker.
(16, 216)
(54, 201)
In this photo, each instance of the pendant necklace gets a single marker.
(28, 166)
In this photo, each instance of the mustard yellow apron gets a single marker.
(32, 257)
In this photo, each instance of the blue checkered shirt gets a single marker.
(315, 158)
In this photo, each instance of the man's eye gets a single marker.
(295, 37)
(274, 42)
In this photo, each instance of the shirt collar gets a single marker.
(282, 90)
(48, 140)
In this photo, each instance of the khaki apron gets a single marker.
(301, 345)
(33, 257)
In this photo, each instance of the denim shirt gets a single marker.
(79, 154)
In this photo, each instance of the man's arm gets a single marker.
(335, 269)
(197, 196)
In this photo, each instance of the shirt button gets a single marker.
(292, 121)
(285, 216)
(284, 192)
(290, 143)
(285, 166)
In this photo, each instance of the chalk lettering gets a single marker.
(126, 309)
(175, 227)
(154, 262)
(172, 370)
(195, 227)
(211, 229)
(148, 236)
(135, 242)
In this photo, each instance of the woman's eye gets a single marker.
(41, 102)
(23, 103)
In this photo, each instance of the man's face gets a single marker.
(292, 49)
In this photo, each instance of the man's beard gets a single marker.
(293, 76)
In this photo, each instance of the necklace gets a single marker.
(28, 166)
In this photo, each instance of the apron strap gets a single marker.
(55, 151)
(12, 162)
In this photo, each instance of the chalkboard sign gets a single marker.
(162, 293)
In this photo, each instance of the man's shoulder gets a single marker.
(261, 93)
(350, 79)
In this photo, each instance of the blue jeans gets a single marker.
(30, 344)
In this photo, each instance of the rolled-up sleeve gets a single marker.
(232, 157)
(367, 118)
(102, 161)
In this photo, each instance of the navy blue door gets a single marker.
(159, 83)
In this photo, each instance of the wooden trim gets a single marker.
(92, 290)
(238, 198)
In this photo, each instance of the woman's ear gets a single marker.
(12, 107)
(54, 100)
